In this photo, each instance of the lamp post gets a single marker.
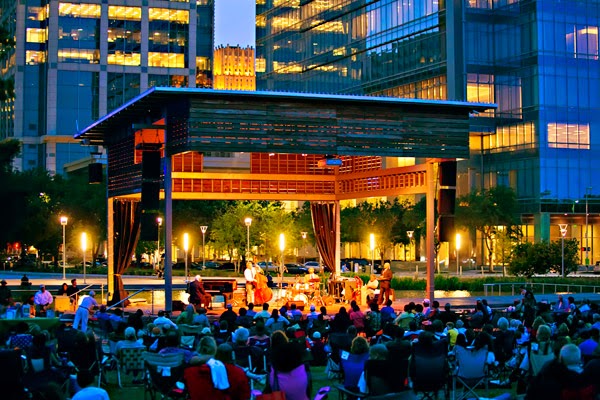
(159, 223)
(457, 244)
(203, 228)
(304, 244)
(63, 222)
(372, 245)
(563, 233)
(587, 248)
(83, 249)
(282, 248)
(410, 236)
(186, 243)
(248, 222)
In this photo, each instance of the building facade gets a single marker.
(234, 68)
(538, 60)
(75, 61)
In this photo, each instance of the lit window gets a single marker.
(480, 89)
(125, 13)
(121, 58)
(79, 10)
(36, 35)
(79, 55)
(569, 136)
(583, 42)
(165, 14)
(36, 13)
(33, 57)
(166, 60)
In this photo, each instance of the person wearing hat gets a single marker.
(5, 294)
(83, 312)
(42, 301)
(385, 284)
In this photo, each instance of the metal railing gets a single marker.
(508, 288)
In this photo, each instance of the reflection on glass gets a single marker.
(79, 10)
(125, 13)
(583, 42)
(165, 14)
(569, 136)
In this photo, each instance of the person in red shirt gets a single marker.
(209, 378)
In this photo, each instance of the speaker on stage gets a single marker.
(446, 228)
(150, 195)
(150, 165)
(95, 173)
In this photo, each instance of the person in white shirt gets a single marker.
(163, 320)
(370, 287)
(83, 312)
(250, 276)
(42, 300)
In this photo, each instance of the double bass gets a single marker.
(262, 293)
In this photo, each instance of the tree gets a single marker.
(414, 219)
(485, 211)
(528, 259)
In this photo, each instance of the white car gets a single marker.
(312, 264)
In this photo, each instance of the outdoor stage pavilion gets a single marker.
(288, 137)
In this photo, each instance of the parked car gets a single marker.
(268, 266)
(191, 265)
(211, 264)
(316, 266)
(227, 266)
(296, 269)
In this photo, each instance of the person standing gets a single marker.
(385, 284)
(83, 312)
(250, 276)
(5, 294)
(72, 291)
(42, 300)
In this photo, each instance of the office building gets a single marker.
(75, 61)
(234, 68)
(538, 60)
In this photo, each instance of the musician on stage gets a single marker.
(385, 284)
(250, 276)
(311, 277)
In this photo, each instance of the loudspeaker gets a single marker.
(95, 173)
(446, 228)
(447, 173)
(151, 165)
(149, 227)
(446, 201)
(150, 195)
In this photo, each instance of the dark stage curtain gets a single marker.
(127, 218)
(324, 223)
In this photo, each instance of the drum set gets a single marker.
(309, 292)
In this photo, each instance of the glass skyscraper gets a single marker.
(538, 60)
(75, 61)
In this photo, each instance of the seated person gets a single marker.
(370, 287)
(130, 341)
(208, 378)
(172, 347)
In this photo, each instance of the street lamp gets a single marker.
(563, 233)
(248, 222)
(304, 241)
(372, 244)
(457, 243)
(159, 223)
(186, 244)
(63, 222)
(410, 236)
(281, 247)
(203, 228)
(587, 244)
(83, 249)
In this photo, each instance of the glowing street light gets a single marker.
(63, 222)
(159, 221)
(282, 248)
(248, 222)
(304, 241)
(203, 228)
(186, 244)
(83, 249)
(563, 233)
(457, 244)
(372, 245)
